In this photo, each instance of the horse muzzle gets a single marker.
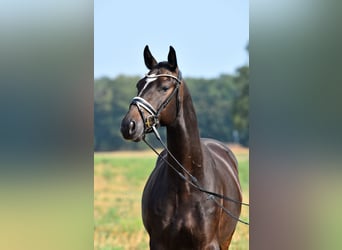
(132, 127)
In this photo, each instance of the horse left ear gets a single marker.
(150, 62)
(172, 59)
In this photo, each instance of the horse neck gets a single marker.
(183, 138)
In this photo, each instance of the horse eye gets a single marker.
(165, 88)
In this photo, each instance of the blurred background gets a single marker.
(47, 69)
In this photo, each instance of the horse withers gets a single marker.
(176, 213)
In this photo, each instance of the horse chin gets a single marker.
(138, 139)
(135, 138)
(138, 136)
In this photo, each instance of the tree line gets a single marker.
(221, 105)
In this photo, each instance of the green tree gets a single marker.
(111, 101)
(241, 105)
(220, 104)
(213, 100)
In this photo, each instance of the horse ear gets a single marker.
(172, 59)
(150, 62)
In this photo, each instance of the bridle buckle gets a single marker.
(150, 122)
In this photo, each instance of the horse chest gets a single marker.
(179, 217)
(174, 216)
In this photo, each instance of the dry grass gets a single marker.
(236, 148)
(118, 184)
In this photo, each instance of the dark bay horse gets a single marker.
(176, 214)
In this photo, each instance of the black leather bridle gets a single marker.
(152, 119)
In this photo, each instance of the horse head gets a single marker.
(158, 99)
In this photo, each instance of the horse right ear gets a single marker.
(150, 62)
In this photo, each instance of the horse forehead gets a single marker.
(146, 82)
(150, 79)
(153, 76)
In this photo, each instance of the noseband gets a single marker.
(152, 119)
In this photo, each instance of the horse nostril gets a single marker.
(131, 127)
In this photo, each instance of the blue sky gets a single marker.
(209, 37)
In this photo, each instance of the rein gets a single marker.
(150, 125)
(194, 182)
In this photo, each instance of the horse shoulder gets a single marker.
(225, 162)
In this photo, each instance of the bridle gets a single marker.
(151, 122)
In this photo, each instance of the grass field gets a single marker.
(119, 179)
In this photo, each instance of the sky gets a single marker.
(210, 37)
